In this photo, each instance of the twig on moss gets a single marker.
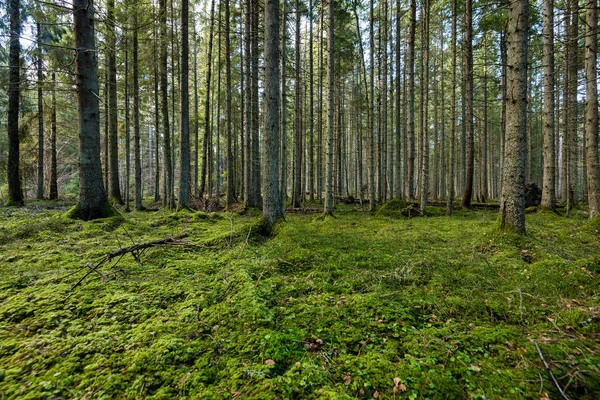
(560, 390)
(136, 251)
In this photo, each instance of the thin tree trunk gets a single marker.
(591, 126)
(53, 194)
(114, 194)
(297, 171)
(548, 187)
(424, 108)
(330, 112)
(40, 99)
(168, 200)
(311, 148)
(127, 130)
(136, 117)
(411, 101)
(230, 171)
(470, 131)
(372, 188)
(398, 128)
(283, 137)
(207, 132)
(452, 139)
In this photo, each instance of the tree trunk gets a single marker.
(40, 99)
(272, 208)
(207, 132)
(127, 131)
(470, 131)
(330, 112)
(15, 193)
(591, 125)
(53, 193)
(184, 124)
(230, 171)
(311, 147)
(398, 128)
(168, 199)
(452, 139)
(424, 110)
(136, 117)
(512, 204)
(283, 137)
(297, 171)
(92, 196)
(156, 123)
(548, 193)
(372, 191)
(114, 192)
(411, 102)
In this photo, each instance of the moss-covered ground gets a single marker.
(357, 306)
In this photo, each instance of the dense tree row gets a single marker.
(424, 101)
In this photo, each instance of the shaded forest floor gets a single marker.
(357, 306)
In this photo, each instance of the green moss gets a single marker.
(335, 309)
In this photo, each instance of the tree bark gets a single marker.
(207, 132)
(114, 192)
(169, 198)
(92, 196)
(53, 192)
(452, 139)
(411, 102)
(184, 124)
(136, 117)
(372, 188)
(272, 208)
(591, 125)
(230, 171)
(40, 100)
(512, 203)
(470, 131)
(548, 193)
(424, 110)
(15, 193)
(330, 111)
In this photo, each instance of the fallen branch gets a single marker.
(562, 393)
(136, 251)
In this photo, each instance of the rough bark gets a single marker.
(452, 139)
(411, 102)
(228, 117)
(15, 193)
(548, 193)
(168, 195)
(114, 189)
(272, 208)
(92, 196)
(330, 111)
(184, 124)
(40, 101)
(512, 203)
(469, 123)
(372, 191)
(207, 132)
(591, 120)
(137, 160)
(53, 186)
(424, 110)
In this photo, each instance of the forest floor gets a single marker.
(357, 306)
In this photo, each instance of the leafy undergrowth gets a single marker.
(356, 306)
